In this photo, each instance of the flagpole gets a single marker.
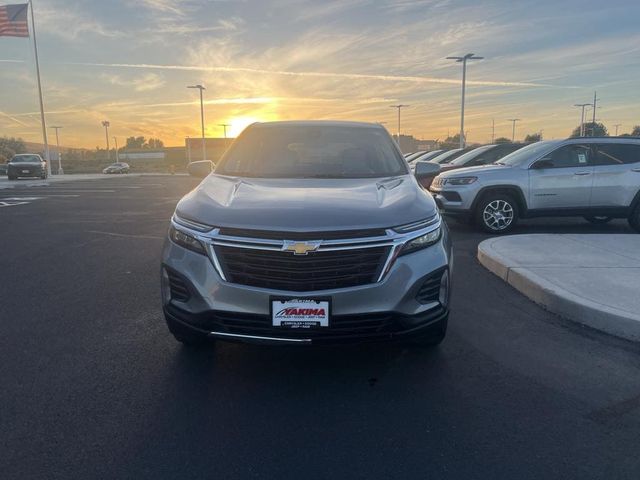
(44, 125)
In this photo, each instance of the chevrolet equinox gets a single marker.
(305, 233)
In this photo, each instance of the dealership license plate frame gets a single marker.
(281, 302)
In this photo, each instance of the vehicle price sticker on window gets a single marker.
(300, 313)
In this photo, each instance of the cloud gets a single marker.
(349, 76)
(69, 23)
(144, 83)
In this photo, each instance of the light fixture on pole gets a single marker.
(513, 129)
(399, 107)
(60, 172)
(106, 126)
(463, 60)
(204, 147)
(582, 105)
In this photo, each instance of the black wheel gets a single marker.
(598, 219)
(11, 177)
(432, 338)
(497, 213)
(634, 219)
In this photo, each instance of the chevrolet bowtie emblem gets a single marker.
(300, 248)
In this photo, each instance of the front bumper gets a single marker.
(388, 309)
(13, 171)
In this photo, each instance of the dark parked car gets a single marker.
(26, 165)
(485, 155)
(119, 167)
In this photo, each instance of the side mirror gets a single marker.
(542, 164)
(200, 169)
(426, 170)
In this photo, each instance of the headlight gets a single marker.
(422, 241)
(459, 180)
(185, 240)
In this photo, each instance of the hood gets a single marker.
(461, 172)
(307, 204)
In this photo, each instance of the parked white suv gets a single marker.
(597, 178)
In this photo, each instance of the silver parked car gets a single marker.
(118, 167)
(598, 178)
(308, 232)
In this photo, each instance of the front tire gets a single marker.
(497, 213)
(11, 177)
(598, 219)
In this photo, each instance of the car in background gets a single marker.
(450, 155)
(410, 156)
(484, 155)
(118, 167)
(305, 233)
(426, 156)
(596, 178)
(3, 169)
(26, 165)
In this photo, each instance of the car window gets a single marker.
(470, 158)
(314, 151)
(617, 154)
(570, 156)
(25, 158)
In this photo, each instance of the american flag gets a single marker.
(13, 20)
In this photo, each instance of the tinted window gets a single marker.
(25, 158)
(527, 154)
(472, 157)
(617, 154)
(308, 151)
(571, 156)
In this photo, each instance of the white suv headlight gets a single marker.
(459, 180)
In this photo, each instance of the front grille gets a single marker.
(178, 287)
(320, 270)
(430, 290)
(332, 235)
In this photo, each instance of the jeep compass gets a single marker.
(305, 233)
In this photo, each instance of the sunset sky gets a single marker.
(129, 62)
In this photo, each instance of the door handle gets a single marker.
(582, 173)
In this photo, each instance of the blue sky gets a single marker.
(129, 62)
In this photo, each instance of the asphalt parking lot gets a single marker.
(93, 385)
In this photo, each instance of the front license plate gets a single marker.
(25, 171)
(300, 313)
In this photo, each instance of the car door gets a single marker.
(616, 177)
(562, 179)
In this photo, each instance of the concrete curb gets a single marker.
(556, 299)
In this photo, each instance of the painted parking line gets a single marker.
(11, 204)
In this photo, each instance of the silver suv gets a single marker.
(308, 232)
(597, 178)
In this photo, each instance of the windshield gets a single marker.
(467, 157)
(25, 159)
(445, 156)
(312, 151)
(526, 153)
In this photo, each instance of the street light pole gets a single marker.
(582, 105)
(60, 172)
(617, 125)
(399, 107)
(106, 126)
(463, 60)
(189, 149)
(115, 140)
(204, 147)
(513, 130)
